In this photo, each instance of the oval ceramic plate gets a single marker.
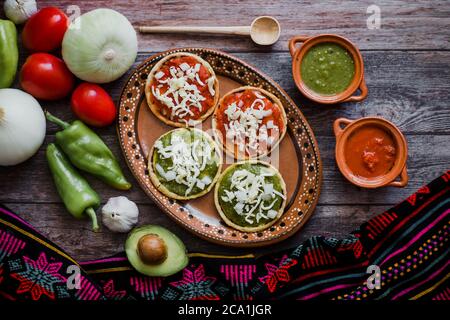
(299, 160)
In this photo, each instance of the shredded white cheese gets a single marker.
(188, 161)
(251, 194)
(210, 83)
(245, 128)
(182, 94)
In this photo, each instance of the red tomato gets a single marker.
(45, 30)
(45, 76)
(93, 105)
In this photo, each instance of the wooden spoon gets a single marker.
(264, 30)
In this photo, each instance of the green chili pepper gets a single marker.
(78, 197)
(9, 53)
(88, 152)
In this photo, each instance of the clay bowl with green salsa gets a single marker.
(328, 69)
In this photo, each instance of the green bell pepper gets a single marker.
(9, 53)
(78, 197)
(87, 151)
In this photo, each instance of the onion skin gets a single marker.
(22, 126)
(100, 46)
(18, 11)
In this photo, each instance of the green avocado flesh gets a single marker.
(228, 207)
(327, 68)
(189, 136)
(176, 259)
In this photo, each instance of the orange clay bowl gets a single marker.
(358, 80)
(399, 168)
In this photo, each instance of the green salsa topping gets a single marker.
(327, 68)
(228, 206)
(198, 144)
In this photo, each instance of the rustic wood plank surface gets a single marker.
(419, 24)
(407, 63)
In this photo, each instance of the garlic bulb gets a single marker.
(18, 11)
(120, 214)
(22, 126)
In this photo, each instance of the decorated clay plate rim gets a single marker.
(302, 204)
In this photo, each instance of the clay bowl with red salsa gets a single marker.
(371, 152)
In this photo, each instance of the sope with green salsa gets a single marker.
(327, 68)
(250, 195)
(185, 163)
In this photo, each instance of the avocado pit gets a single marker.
(155, 251)
(152, 249)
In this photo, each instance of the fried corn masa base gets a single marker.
(227, 211)
(151, 79)
(176, 190)
(231, 149)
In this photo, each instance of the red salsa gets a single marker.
(161, 83)
(271, 119)
(370, 152)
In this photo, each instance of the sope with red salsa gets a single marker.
(182, 90)
(250, 122)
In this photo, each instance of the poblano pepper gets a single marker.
(78, 197)
(87, 151)
(9, 53)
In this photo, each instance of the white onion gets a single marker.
(100, 46)
(22, 126)
(18, 11)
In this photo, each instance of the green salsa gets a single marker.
(189, 136)
(228, 207)
(327, 68)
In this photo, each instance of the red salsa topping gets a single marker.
(235, 123)
(168, 76)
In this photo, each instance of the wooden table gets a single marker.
(407, 63)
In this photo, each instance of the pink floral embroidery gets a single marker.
(276, 274)
(413, 198)
(111, 292)
(39, 277)
(195, 285)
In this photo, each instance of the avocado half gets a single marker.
(155, 251)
